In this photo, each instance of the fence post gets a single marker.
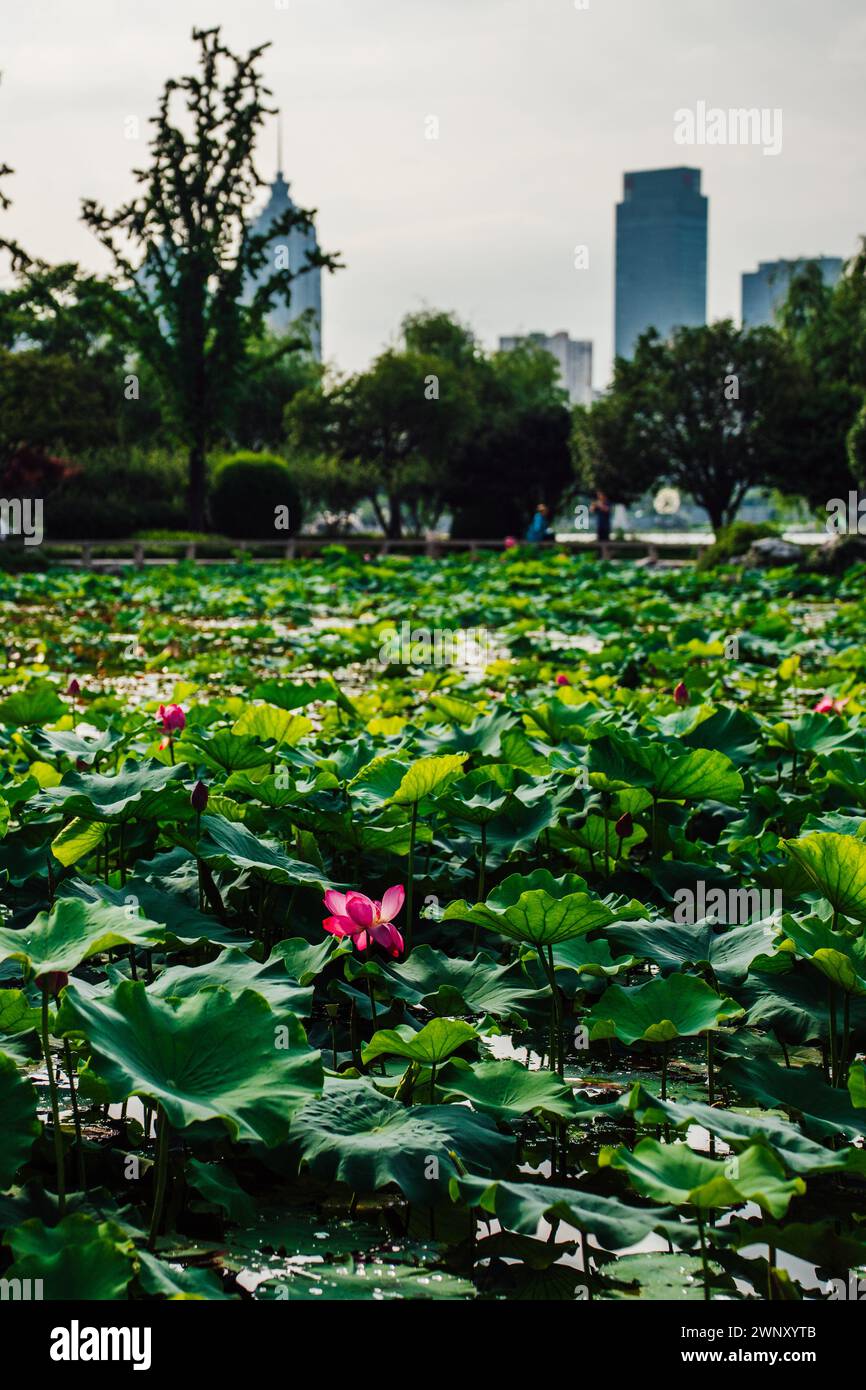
(87, 555)
(189, 553)
(138, 555)
(290, 550)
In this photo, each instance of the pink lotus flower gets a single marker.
(562, 679)
(510, 542)
(73, 688)
(681, 694)
(365, 919)
(827, 705)
(172, 718)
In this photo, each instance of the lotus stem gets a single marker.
(71, 1072)
(161, 1178)
(55, 1109)
(410, 885)
(705, 1265)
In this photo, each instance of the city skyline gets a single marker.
(485, 219)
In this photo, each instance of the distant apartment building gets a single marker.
(574, 356)
(766, 289)
(661, 255)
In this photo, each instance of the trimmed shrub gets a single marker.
(247, 494)
(734, 540)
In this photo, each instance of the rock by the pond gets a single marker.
(835, 556)
(771, 551)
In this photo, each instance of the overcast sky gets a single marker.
(541, 107)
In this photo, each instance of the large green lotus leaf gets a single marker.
(237, 971)
(848, 771)
(592, 958)
(222, 750)
(174, 1282)
(218, 1185)
(482, 737)
(181, 923)
(74, 930)
(433, 1044)
(427, 775)
(38, 704)
(818, 1242)
(78, 1259)
(536, 909)
(733, 732)
(377, 782)
(229, 845)
(297, 694)
(794, 1006)
(17, 1014)
(822, 1110)
(679, 1006)
(814, 733)
(271, 724)
(676, 946)
(305, 962)
(214, 1056)
(507, 1090)
(836, 864)
(444, 985)
(376, 1278)
(134, 791)
(75, 746)
(841, 958)
(701, 774)
(522, 1206)
(20, 1125)
(799, 1154)
(362, 1138)
(674, 1173)
(857, 1085)
(78, 839)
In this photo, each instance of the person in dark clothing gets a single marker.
(539, 528)
(602, 509)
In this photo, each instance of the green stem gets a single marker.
(482, 865)
(704, 1261)
(834, 1060)
(664, 1071)
(161, 1178)
(711, 1081)
(55, 1110)
(76, 1117)
(410, 886)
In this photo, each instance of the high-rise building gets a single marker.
(295, 248)
(573, 355)
(765, 289)
(661, 254)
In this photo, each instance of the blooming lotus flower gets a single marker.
(365, 919)
(681, 694)
(172, 718)
(562, 679)
(827, 705)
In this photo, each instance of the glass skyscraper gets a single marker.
(661, 254)
(766, 288)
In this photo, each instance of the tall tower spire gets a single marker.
(279, 145)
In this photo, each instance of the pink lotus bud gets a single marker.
(172, 718)
(625, 825)
(681, 694)
(73, 688)
(198, 797)
(562, 679)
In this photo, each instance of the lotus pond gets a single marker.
(333, 967)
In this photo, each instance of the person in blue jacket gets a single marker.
(539, 528)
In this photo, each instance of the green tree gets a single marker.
(517, 454)
(184, 254)
(826, 328)
(708, 410)
(397, 424)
